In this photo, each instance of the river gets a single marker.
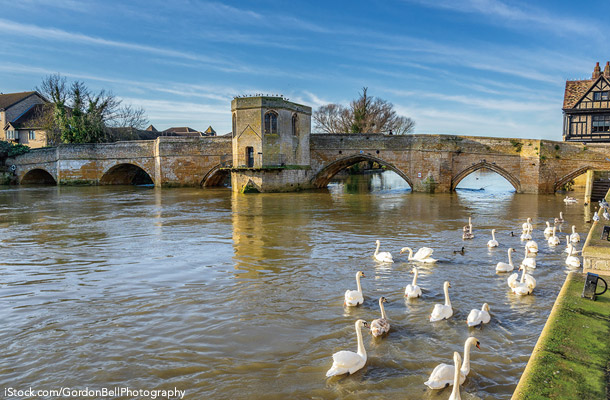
(241, 296)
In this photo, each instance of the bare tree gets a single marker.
(365, 114)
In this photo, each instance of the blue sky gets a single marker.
(473, 67)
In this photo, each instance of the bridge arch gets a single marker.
(126, 174)
(568, 177)
(38, 176)
(484, 164)
(325, 175)
(215, 176)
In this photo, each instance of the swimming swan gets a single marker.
(348, 362)
(571, 260)
(380, 326)
(493, 242)
(553, 240)
(528, 262)
(383, 256)
(412, 290)
(527, 226)
(574, 237)
(422, 255)
(548, 231)
(504, 267)
(523, 287)
(354, 297)
(443, 374)
(477, 317)
(442, 311)
(457, 363)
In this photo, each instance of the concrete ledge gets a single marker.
(572, 355)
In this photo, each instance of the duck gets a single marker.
(443, 374)
(531, 246)
(461, 251)
(442, 311)
(571, 260)
(560, 219)
(493, 242)
(413, 291)
(527, 225)
(422, 255)
(382, 256)
(526, 235)
(553, 240)
(574, 237)
(380, 326)
(457, 365)
(504, 267)
(348, 362)
(548, 231)
(570, 200)
(523, 287)
(528, 262)
(477, 317)
(354, 297)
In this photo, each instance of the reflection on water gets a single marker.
(241, 296)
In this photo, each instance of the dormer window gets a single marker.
(271, 122)
(600, 96)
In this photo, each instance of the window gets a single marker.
(234, 124)
(294, 124)
(11, 135)
(601, 123)
(32, 135)
(271, 122)
(601, 96)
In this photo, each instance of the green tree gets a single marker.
(81, 116)
(365, 114)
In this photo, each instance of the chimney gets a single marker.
(607, 70)
(596, 72)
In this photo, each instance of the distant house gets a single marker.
(21, 118)
(586, 108)
(210, 131)
(181, 131)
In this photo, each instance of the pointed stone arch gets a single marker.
(493, 167)
(325, 175)
(215, 176)
(568, 177)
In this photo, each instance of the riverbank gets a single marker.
(571, 359)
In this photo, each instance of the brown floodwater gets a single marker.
(241, 296)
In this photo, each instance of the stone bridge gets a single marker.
(427, 162)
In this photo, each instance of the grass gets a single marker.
(572, 357)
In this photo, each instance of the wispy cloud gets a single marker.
(508, 14)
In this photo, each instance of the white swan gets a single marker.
(574, 237)
(382, 256)
(422, 255)
(531, 246)
(457, 365)
(380, 326)
(442, 311)
(528, 262)
(570, 200)
(523, 287)
(553, 240)
(477, 317)
(570, 246)
(560, 219)
(412, 290)
(527, 226)
(443, 374)
(493, 242)
(345, 362)
(571, 260)
(504, 267)
(354, 297)
(526, 235)
(548, 231)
